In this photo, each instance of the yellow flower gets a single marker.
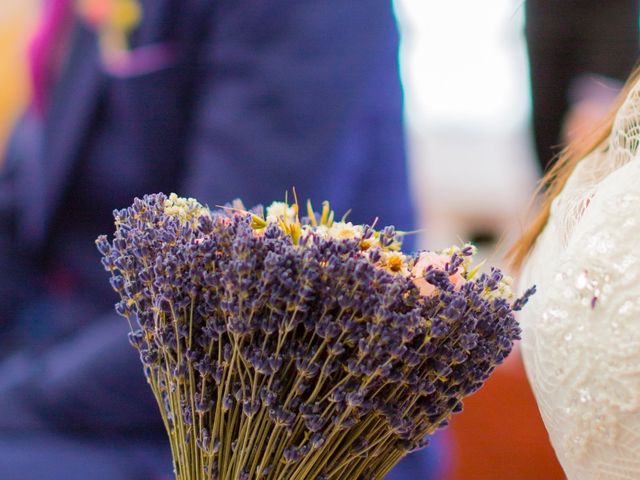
(125, 14)
(395, 262)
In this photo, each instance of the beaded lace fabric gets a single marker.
(581, 331)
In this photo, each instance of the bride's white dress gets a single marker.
(581, 331)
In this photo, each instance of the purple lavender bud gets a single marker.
(412, 359)
(354, 399)
(388, 236)
(522, 301)
(275, 363)
(268, 398)
(227, 402)
(364, 346)
(203, 443)
(227, 353)
(317, 440)
(264, 471)
(469, 341)
(292, 454)
(314, 422)
(102, 243)
(122, 309)
(250, 408)
(360, 445)
(204, 405)
(136, 339)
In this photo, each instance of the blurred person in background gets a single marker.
(211, 99)
(580, 53)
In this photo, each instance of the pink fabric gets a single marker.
(142, 60)
(43, 48)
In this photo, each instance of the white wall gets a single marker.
(467, 105)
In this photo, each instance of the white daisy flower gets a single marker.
(280, 210)
(395, 262)
(345, 231)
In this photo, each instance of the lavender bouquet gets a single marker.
(281, 347)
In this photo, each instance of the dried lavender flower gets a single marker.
(281, 347)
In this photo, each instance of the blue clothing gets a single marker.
(256, 98)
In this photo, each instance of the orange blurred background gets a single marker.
(17, 19)
(500, 435)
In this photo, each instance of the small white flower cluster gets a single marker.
(467, 260)
(337, 231)
(389, 258)
(279, 211)
(186, 209)
(504, 290)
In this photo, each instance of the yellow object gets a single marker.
(126, 15)
(113, 21)
(17, 22)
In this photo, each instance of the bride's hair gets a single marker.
(556, 178)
